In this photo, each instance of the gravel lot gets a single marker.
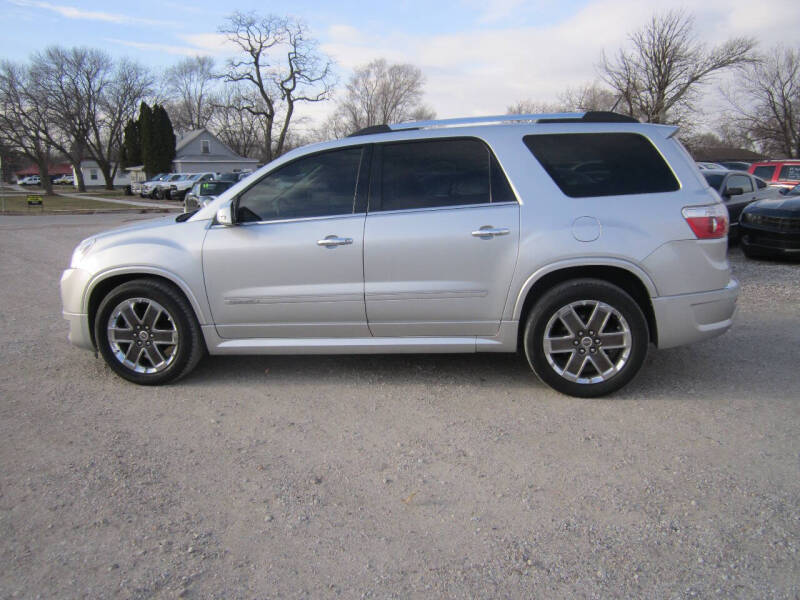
(397, 476)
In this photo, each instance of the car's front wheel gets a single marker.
(147, 332)
(586, 337)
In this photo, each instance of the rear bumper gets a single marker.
(688, 318)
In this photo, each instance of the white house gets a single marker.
(93, 176)
(200, 150)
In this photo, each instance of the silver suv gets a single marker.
(577, 238)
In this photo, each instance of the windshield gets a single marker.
(175, 177)
(714, 180)
(795, 191)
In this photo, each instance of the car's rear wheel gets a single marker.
(147, 332)
(586, 337)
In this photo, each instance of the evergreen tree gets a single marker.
(132, 145)
(146, 139)
(163, 138)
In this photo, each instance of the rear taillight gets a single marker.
(707, 222)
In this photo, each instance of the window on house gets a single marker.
(205, 146)
(93, 174)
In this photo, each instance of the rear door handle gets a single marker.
(332, 241)
(487, 231)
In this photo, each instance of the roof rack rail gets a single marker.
(566, 117)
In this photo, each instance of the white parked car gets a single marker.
(30, 180)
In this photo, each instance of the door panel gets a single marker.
(276, 280)
(426, 274)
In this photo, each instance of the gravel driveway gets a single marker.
(393, 476)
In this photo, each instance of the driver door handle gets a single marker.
(332, 241)
(487, 231)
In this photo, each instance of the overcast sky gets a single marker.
(478, 56)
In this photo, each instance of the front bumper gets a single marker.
(73, 285)
(770, 241)
(687, 318)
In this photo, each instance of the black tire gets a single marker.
(572, 363)
(148, 348)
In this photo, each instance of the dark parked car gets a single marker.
(738, 189)
(772, 227)
(735, 165)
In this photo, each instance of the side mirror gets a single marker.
(733, 191)
(225, 214)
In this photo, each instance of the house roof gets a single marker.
(715, 154)
(58, 169)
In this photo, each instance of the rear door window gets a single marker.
(602, 164)
(765, 172)
(435, 173)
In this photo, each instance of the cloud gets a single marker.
(72, 12)
(485, 69)
(199, 44)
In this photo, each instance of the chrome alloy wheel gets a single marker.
(142, 335)
(587, 341)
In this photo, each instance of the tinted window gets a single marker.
(760, 183)
(791, 172)
(714, 180)
(435, 173)
(764, 172)
(602, 164)
(212, 188)
(740, 181)
(315, 186)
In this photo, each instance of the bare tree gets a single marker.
(659, 77)
(125, 89)
(379, 93)
(284, 66)
(188, 86)
(766, 97)
(588, 97)
(532, 107)
(23, 119)
(70, 83)
(241, 129)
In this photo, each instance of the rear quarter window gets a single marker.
(789, 173)
(602, 164)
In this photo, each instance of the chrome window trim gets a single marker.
(297, 220)
(437, 208)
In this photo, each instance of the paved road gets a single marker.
(396, 476)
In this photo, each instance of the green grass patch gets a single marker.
(55, 204)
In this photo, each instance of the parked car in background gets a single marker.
(161, 187)
(735, 165)
(709, 166)
(30, 180)
(64, 180)
(179, 188)
(738, 189)
(149, 186)
(203, 193)
(234, 177)
(462, 235)
(772, 227)
(778, 173)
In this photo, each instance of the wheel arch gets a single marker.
(628, 277)
(103, 283)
